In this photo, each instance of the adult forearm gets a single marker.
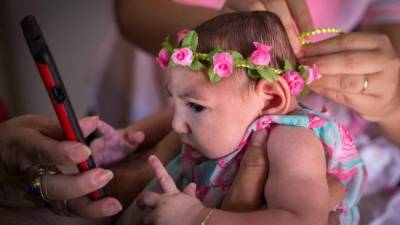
(147, 23)
(270, 217)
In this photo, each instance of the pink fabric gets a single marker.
(347, 14)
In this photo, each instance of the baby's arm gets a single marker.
(296, 189)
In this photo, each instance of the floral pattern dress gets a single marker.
(214, 177)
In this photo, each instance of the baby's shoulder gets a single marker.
(288, 140)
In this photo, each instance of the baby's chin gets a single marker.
(199, 153)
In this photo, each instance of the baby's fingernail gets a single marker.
(259, 138)
(113, 208)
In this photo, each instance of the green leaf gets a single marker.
(167, 45)
(196, 65)
(237, 57)
(304, 92)
(214, 78)
(253, 74)
(288, 66)
(303, 73)
(191, 40)
(267, 73)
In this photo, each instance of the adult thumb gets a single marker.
(89, 124)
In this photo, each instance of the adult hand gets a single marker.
(172, 206)
(247, 191)
(294, 15)
(31, 140)
(359, 70)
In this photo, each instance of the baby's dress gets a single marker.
(214, 177)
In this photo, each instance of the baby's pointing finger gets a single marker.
(166, 182)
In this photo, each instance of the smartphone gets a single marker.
(56, 91)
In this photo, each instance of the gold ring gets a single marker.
(35, 174)
(365, 85)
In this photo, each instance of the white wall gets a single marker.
(74, 31)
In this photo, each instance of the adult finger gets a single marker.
(354, 101)
(85, 207)
(89, 124)
(345, 42)
(301, 14)
(246, 193)
(62, 187)
(41, 149)
(256, 6)
(349, 83)
(355, 62)
(166, 182)
(147, 199)
(52, 128)
(336, 191)
(280, 8)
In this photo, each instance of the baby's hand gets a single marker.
(114, 145)
(172, 206)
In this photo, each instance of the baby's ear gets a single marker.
(276, 96)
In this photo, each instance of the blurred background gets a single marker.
(75, 32)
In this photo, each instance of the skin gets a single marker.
(198, 104)
(342, 66)
(289, 165)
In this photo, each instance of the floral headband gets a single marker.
(222, 63)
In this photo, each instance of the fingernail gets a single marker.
(113, 208)
(103, 177)
(259, 138)
(299, 53)
(79, 152)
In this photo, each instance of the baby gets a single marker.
(231, 76)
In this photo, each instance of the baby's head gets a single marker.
(212, 117)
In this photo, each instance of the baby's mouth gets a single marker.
(194, 153)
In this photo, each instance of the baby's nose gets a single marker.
(180, 125)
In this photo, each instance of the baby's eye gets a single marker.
(195, 107)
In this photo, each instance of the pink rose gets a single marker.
(313, 73)
(223, 64)
(183, 56)
(295, 82)
(181, 34)
(261, 56)
(163, 58)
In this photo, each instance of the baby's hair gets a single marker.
(238, 30)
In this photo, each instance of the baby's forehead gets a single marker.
(183, 79)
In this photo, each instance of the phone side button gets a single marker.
(58, 94)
